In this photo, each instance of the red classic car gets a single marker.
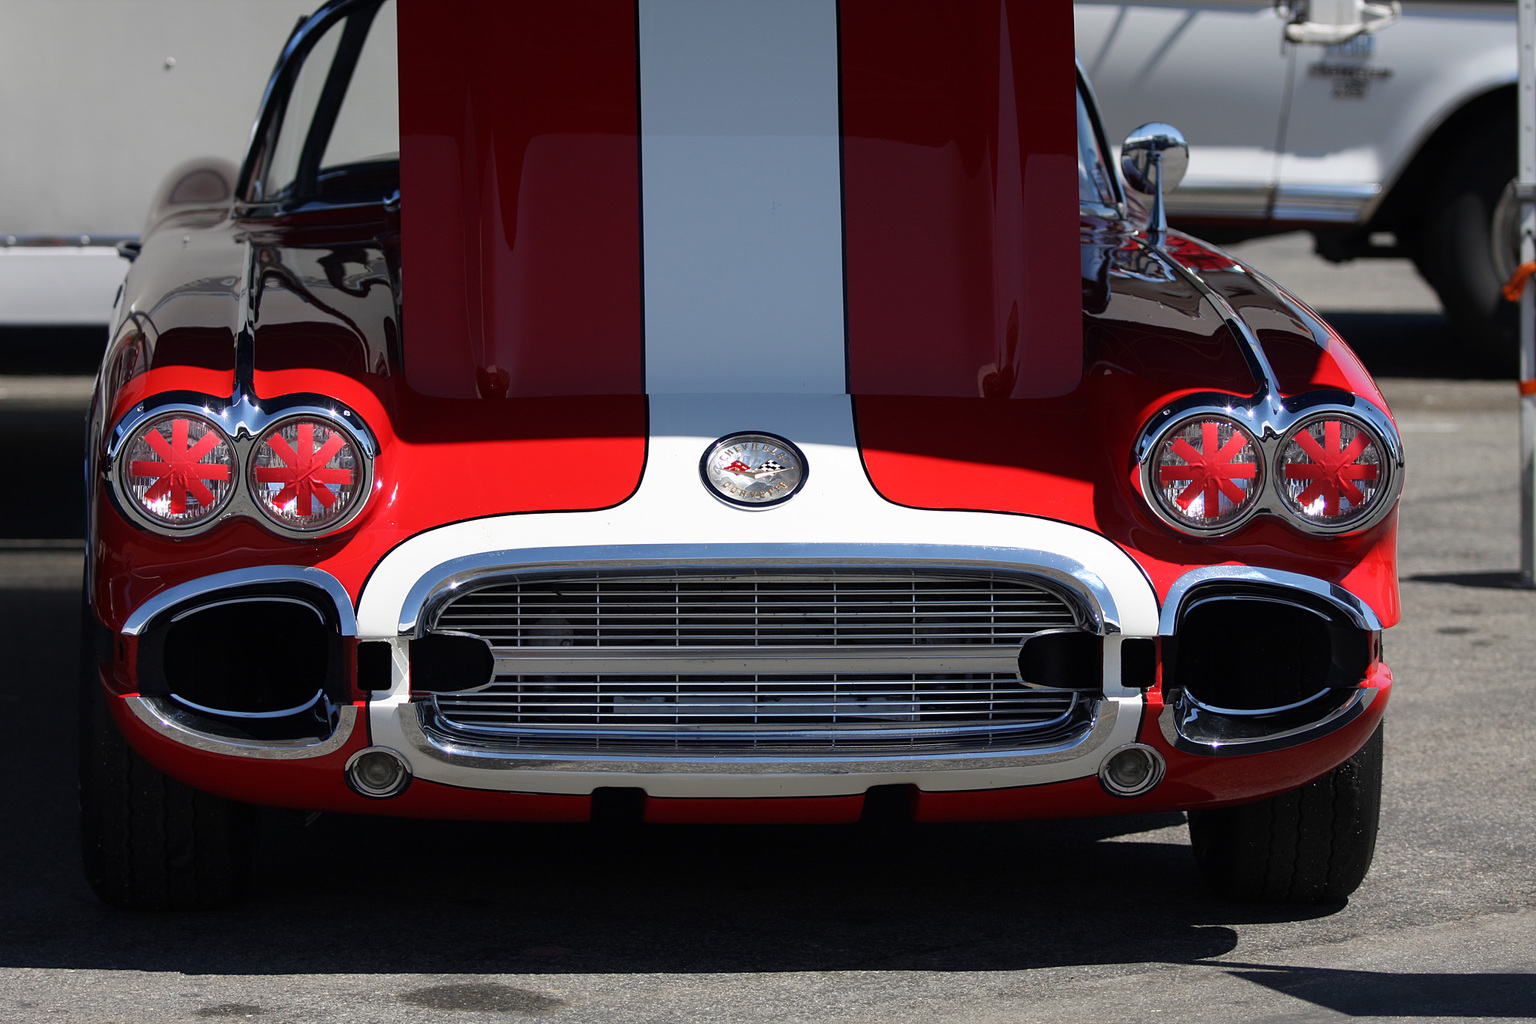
(795, 422)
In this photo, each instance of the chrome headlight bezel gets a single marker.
(1273, 425)
(242, 423)
(1155, 482)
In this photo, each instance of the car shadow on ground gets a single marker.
(1419, 345)
(1380, 994)
(1491, 580)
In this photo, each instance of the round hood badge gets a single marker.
(753, 470)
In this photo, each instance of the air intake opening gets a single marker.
(1254, 652)
(267, 664)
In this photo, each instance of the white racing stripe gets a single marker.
(741, 193)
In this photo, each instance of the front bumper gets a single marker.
(837, 524)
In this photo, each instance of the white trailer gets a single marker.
(101, 98)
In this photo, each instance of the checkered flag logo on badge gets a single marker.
(753, 470)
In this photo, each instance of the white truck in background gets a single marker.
(1385, 129)
(102, 99)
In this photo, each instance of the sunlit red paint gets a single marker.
(979, 383)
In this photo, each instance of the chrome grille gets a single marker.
(887, 659)
(756, 609)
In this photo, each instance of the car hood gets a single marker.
(811, 198)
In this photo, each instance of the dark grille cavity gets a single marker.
(694, 708)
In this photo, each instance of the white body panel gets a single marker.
(1214, 70)
(1411, 77)
(59, 285)
(1290, 132)
(101, 98)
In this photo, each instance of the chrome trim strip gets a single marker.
(1359, 612)
(742, 660)
(150, 711)
(489, 756)
(1214, 197)
(441, 582)
(702, 735)
(1330, 202)
(55, 242)
(264, 598)
(138, 620)
(1254, 712)
(1353, 708)
(1253, 352)
(224, 713)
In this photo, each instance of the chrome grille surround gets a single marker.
(829, 661)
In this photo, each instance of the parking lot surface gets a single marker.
(381, 921)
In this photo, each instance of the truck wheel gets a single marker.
(150, 842)
(1454, 250)
(1311, 845)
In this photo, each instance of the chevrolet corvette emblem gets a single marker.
(753, 470)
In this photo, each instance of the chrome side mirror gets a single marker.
(1153, 160)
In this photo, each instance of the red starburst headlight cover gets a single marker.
(307, 475)
(178, 471)
(1331, 471)
(1206, 473)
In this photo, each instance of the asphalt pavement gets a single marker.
(1096, 921)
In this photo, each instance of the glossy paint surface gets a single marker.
(1193, 781)
(1304, 352)
(520, 161)
(960, 199)
(1070, 458)
(318, 784)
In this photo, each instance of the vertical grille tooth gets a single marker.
(747, 610)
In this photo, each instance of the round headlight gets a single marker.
(307, 475)
(1331, 472)
(178, 471)
(1205, 474)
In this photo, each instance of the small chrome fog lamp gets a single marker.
(378, 772)
(1131, 770)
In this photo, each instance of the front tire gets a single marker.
(1311, 845)
(150, 842)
